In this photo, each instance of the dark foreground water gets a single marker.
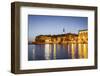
(57, 51)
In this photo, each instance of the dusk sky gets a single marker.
(50, 25)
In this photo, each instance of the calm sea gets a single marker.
(57, 51)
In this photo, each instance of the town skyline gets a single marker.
(53, 25)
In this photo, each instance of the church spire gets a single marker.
(64, 30)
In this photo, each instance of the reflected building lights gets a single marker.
(73, 51)
(85, 50)
(47, 52)
(33, 51)
(54, 51)
(68, 51)
(70, 44)
(80, 50)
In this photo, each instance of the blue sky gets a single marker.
(44, 25)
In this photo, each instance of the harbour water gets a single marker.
(57, 51)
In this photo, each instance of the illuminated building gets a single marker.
(81, 37)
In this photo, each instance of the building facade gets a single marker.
(81, 37)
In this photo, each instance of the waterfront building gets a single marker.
(81, 37)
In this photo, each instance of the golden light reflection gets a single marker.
(47, 51)
(73, 51)
(83, 50)
(80, 50)
(54, 54)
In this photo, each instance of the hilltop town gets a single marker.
(81, 37)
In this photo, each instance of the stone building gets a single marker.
(62, 38)
(81, 37)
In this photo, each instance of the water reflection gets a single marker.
(83, 50)
(57, 51)
(47, 51)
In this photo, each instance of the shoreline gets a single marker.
(36, 43)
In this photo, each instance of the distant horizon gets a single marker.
(54, 25)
